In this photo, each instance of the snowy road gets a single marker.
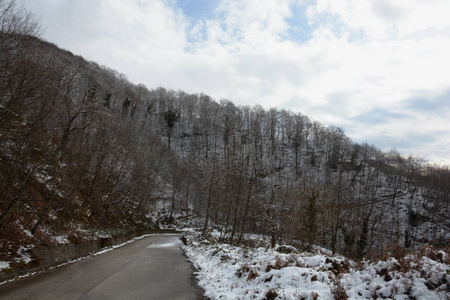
(150, 268)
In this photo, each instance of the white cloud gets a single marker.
(383, 19)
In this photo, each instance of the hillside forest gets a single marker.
(84, 152)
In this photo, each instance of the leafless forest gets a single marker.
(84, 150)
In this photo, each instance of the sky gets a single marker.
(380, 69)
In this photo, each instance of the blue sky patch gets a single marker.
(299, 29)
(198, 9)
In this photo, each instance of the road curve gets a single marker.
(153, 267)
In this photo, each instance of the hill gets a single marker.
(85, 153)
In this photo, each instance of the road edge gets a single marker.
(58, 255)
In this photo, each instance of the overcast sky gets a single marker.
(380, 69)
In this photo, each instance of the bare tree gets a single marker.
(16, 26)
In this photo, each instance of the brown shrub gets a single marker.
(338, 267)
(252, 274)
(271, 294)
(279, 264)
(337, 289)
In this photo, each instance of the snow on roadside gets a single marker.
(230, 272)
(4, 265)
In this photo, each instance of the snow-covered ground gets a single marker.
(230, 272)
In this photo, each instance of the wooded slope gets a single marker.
(85, 150)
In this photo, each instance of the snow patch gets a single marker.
(4, 265)
(232, 272)
(165, 245)
(174, 243)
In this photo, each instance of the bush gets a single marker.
(286, 249)
(271, 294)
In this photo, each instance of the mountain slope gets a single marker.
(85, 151)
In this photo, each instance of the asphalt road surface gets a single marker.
(150, 268)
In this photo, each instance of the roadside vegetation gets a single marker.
(257, 271)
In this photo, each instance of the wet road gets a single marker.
(150, 268)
